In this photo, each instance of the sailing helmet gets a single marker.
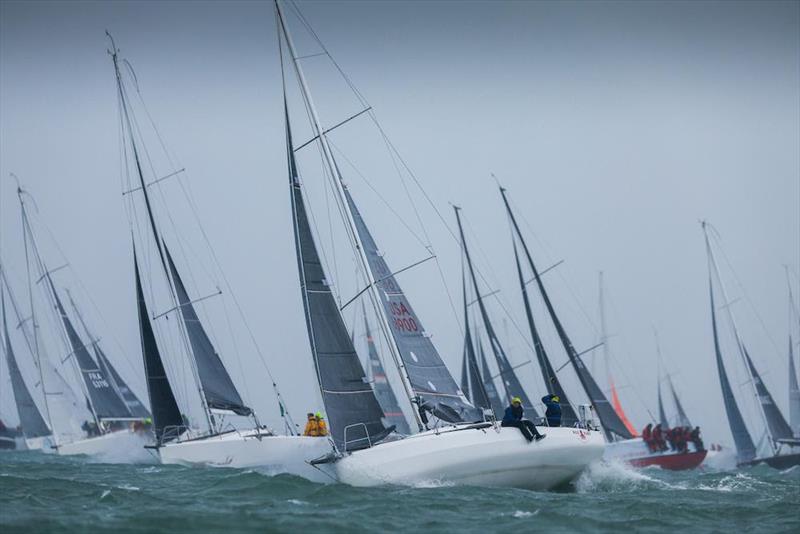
(318, 415)
(516, 400)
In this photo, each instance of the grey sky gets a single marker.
(615, 127)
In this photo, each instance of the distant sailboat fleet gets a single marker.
(455, 432)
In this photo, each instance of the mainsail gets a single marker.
(745, 449)
(794, 394)
(353, 411)
(430, 379)
(509, 378)
(166, 414)
(475, 390)
(218, 388)
(33, 424)
(105, 402)
(392, 412)
(610, 421)
(776, 423)
(551, 382)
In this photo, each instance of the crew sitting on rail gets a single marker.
(513, 417)
(553, 413)
(647, 436)
(322, 427)
(696, 439)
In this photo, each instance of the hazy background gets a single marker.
(614, 125)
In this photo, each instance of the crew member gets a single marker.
(658, 438)
(322, 428)
(695, 437)
(312, 428)
(553, 413)
(647, 436)
(513, 417)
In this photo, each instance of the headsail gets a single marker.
(682, 418)
(745, 449)
(353, 411)
(551, 382)
(776, 423)
(166, 414)
(488, 382)
(133, 403)
(430, 379)
(105, 402)
(612, 424)
(794, 394)
(662, 416)
(508, 376)
(218, 388)
(620, 412)
(476, 390)
(392, 412)
(33, 424)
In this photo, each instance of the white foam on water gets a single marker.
(297, 502)
(428, 484)
(520, 514)
(616, 475)
(129, 487)
(730, 483)
(105, 494)
(129, 450)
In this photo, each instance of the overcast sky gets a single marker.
(614, 125)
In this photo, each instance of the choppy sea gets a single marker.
(46, 493)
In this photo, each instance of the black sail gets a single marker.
(745, 449)
(104, 399)
(477, 391)
(662, 416)
(488, 383)
(392, 412)
(776, 423)
(683, 419)
(30, 418)
(354, 414)
(551, 382)
(430, 379)
(133, 403)
(511, 383)
(166, 414)
(218, 388)
(612, 424)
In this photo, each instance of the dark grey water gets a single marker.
(41, 493)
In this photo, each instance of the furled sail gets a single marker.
(218, 388)
(476, 390)
(794, 394)
(354, 414)
(682, 418)
(551, 382)
(745, 449)
(166, 414)
(104, 399)
(509, 378)
(776, 423)
(430, 379)
(133, 403)
(30, 418)
(392, 412)
(488, 383)
(610, 421)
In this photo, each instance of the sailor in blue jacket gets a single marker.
(513, 417)
(553, 413)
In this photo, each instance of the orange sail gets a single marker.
(618, 408)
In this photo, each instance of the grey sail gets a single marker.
(430, 379)
(488, 383)
(166, 414)
(551, 382)
(610, 421)
(509, 378)
(133, 403)
(794, 394)
(477, 391)
(30, 418)
(682, 418)
(776, 423)
(105, 402)
(745, 449)
(662, 416)
(392, 412)
(354, 414)
(464, 378)
(218, 388)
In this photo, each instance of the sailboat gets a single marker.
(794, 389)
(622, 444)
(779, 433)
(178, 441)
(107, 430)
(454, 444)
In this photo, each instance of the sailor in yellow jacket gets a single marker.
(315, 425)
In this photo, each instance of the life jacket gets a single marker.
(647, 434)
(312, 428)
(322, 428)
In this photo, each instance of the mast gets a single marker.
(156, 236)
(352, 233)
(739, 343)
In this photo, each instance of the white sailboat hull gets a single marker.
(43, 443)
(119, 445)
(492, 456)
(270, 454)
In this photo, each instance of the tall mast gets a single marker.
(156, 236)
(352, 233)
(712, 262)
